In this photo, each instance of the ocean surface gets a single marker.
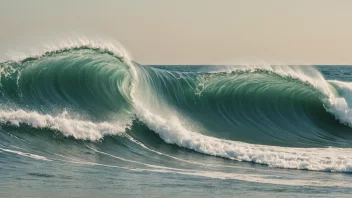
(84, 120)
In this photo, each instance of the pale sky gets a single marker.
(191, 31)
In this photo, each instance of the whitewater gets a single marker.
(88, 106)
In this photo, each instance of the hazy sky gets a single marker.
(191, 31)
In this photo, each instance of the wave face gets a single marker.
(88, 104)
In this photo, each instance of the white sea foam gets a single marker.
(78, 129)
(267, 178)
(320, 159)
(34, 156)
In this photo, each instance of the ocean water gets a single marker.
(84, 120)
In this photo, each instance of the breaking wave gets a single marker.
(279, 116)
